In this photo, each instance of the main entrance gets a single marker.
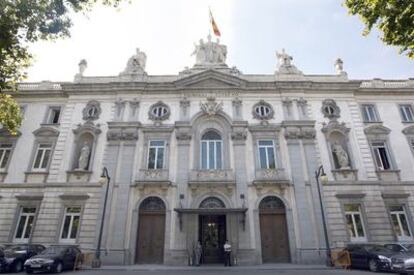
(151, 231)
(212, 233)
(273, 231)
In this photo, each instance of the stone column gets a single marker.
(302, 155)
(183, 136)
(239, 236)
(119, 160)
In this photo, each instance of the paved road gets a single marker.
(221, 271)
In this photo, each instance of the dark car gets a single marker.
(370, 256)
(15, 256)
(400, 247)
(55, 259)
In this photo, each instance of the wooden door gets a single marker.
(274, 233)
(150, 239)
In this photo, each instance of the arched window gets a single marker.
(212, 202)
(211, 151)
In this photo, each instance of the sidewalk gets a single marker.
(212, 267)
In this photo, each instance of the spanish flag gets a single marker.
(214, 25)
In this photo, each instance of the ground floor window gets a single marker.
(354, 222)
(70, 225)
(25, 223)
(400, 223)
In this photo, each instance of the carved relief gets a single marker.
(211, 107)
(330, 109)
(92, 111)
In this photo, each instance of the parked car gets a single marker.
(370, 256)
(400, 247)
(55, 259)
(2, 260)
(16, 255)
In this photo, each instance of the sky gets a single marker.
(314, 32)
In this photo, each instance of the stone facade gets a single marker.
(150, 131)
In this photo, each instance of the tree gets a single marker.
(394, 18)
(23, 22)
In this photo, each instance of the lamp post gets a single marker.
(320, 173)
(96, 263)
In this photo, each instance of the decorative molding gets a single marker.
(394, 195)
(409, 131)
(88, 126)
(299, 129)
(334, 125)
(29, 196)
(74, 196)
(377, 131)
(46, 131)
(211, 107)
(350, 195)
(123, 131)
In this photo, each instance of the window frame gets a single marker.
(157, 147)
(49, 114)
(51, 149)
(18, 220)
(207, 142)
(366, 116)
(403, 113)
(2, 154)
(362, 218)
(275, 160)
(62, 225)
(407, 219)
(388, 154)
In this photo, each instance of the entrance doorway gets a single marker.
(212, 234)
(273, 231)
(151, 231)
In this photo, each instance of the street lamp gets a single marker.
(96, 263)
(320, 173)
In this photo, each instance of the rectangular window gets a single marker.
(5, 153)
(369, 113)
(354, 222)
(25, 223)
(406, 112)
(211, 154)
(53, 115)
(267, 154)
(70, 225)
(42, 157)
(400, 223)
(156, 154)
(381, 155)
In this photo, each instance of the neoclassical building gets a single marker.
(207, 155)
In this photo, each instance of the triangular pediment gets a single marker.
(210, 79)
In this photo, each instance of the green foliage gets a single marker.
(394, 18)
(23, 22)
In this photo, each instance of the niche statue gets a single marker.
(83, 160)
(341, 156)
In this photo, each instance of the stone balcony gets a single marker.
(212, 176)
(153, 177)
(271, 176)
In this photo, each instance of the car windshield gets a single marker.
(376, 248)
(53, 250)
(410, 247)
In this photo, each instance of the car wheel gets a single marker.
(373, 265)
(58, 267)
(18, 267)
